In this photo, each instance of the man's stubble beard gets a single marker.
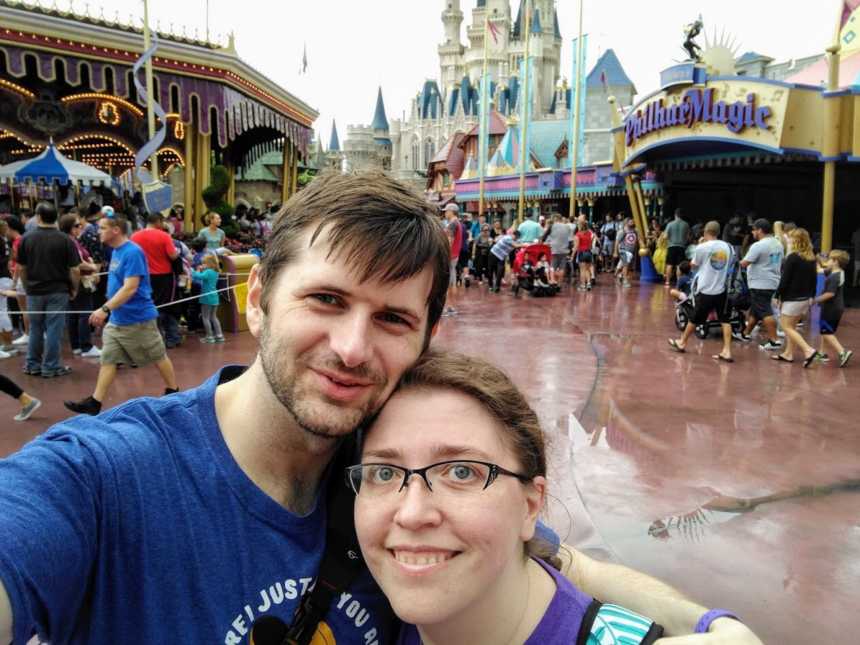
(283, 383)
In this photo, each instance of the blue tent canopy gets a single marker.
(51, 166)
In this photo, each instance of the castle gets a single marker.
(449, 104)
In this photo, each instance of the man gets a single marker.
(160, 253)
(130, 335)
(454, 231)
(205, 507)
(48, 266)
(608, 233)
(678, 232)
(712, 260)
(763, 263)
(530, 231)
(558, 235)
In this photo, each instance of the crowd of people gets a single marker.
(133, 283)
(763, 273)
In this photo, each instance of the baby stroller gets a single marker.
(530, 275)
(737, 301)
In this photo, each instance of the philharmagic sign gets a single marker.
(697, 106)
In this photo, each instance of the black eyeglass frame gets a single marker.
(495, 471)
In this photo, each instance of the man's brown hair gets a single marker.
(377, 225)
(713, 228)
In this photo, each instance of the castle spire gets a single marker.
(334, 142)
(380, 121)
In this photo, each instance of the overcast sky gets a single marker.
(354, 46)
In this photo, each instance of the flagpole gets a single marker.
(574, 139)
(150, 112)
(483, 134)
(524, 126)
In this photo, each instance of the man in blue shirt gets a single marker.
(131, 334)
(530, 230)
(189, 517)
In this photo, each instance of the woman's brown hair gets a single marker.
(497, 394)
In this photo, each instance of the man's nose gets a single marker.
(351, 341)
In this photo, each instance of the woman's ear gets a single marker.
(535, 497)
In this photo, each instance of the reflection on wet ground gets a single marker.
(737, 483)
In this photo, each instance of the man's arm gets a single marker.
(648, 596)
(74, 281)
(129, 287)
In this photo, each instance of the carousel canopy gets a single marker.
(51, 166)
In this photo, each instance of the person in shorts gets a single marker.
(763, 263)
(833, 306)
(678, 234)
(129, 318)
(712, 262)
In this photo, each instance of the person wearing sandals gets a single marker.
(446, 516)
(712, 261)
(795, 293)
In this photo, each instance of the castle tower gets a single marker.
(381, 135)
(544, 47)
(451, 51)
(334, 156)
(499, 14)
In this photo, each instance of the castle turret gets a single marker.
(334, 156)
(381, 135)
(451, 51)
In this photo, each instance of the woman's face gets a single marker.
(436, 554)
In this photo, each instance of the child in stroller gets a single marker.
(531, 272)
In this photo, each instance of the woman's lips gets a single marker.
(421, 561)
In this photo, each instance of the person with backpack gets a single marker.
(584, 240)
(608, 232)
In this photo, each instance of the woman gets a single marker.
(584, 239)
(29, 404)
(796, 291)
(446, 516)
(481, 254)
(213, 235)
(78, 325)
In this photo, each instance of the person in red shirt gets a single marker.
(584, 257)
(160, 252)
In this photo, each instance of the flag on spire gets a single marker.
(304, 67)
(494, 31)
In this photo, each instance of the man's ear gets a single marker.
(435, 329)
(253, 303)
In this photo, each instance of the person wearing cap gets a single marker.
(763, 263)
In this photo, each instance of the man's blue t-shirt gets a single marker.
(138, 526)
(128, 261)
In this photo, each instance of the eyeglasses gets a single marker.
(456, 477)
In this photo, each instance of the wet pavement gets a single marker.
(739, 484)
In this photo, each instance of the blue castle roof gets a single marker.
(334, 142)
(609, 65)
(380, 122)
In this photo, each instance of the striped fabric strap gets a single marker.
(614, 625)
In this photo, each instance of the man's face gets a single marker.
(107, 232)
(757, 233)
(331, 347)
